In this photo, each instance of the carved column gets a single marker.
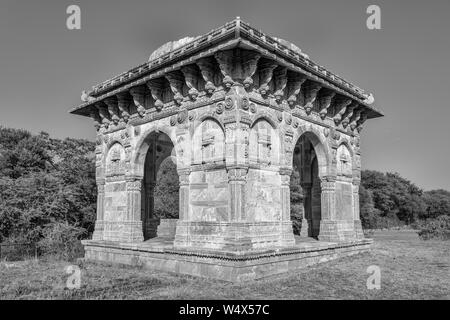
(132, 228)
(184, 194)
(356, 212)
(236, 185)
(99, 224)
(287, 234)
(306, 190)
(328, 224)
(182, 233)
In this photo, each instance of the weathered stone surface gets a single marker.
(236, 123)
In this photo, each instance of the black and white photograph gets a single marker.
(223, 157)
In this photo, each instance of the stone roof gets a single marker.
(233, 33)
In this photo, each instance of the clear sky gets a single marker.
(44, 66)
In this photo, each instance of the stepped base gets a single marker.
(160, 254)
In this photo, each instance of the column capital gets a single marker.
(237, 174)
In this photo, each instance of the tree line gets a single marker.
(48, 193)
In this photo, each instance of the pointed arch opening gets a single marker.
(309, 164)
(160, 189)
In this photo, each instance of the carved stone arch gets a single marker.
(114, 160)
(321, 148)
(264, 143)
(339, 153)
(208, 141)
(109, 144)
(143, 144)
(264, 116)
(208, 116)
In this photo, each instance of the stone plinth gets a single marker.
(159, 254)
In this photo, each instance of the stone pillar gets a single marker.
(236, 185)
(305, 232)
(182, 238)
(356, 213)
(132, 227)
(287, 233)
(150, 222)
(99, 223)
(328, 224)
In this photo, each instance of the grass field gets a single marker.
(410, 269)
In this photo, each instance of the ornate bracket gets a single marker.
(325, 102)
(249, 67)
(340, 108)
(311, 95)
(355, 118)
(96, 117)
(104, 114)
(138, 94)
(124, 102)
(156, 90)
(225, 60)
(280, 77)
(349, 113)
(206, 66)
(176, 81)
(191, 79)
(361, 121)
(111, 102)
(295, 82)
(265, 76)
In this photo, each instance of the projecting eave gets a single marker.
(233, 34)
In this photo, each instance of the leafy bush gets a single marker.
(438, 228)
(62, 241)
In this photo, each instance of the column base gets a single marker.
(123, 231)
(98, 230)
(359, 234)
(233, 236)
(337, 231)
(304, 231)
(150, 226)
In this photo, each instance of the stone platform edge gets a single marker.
(228, 266)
